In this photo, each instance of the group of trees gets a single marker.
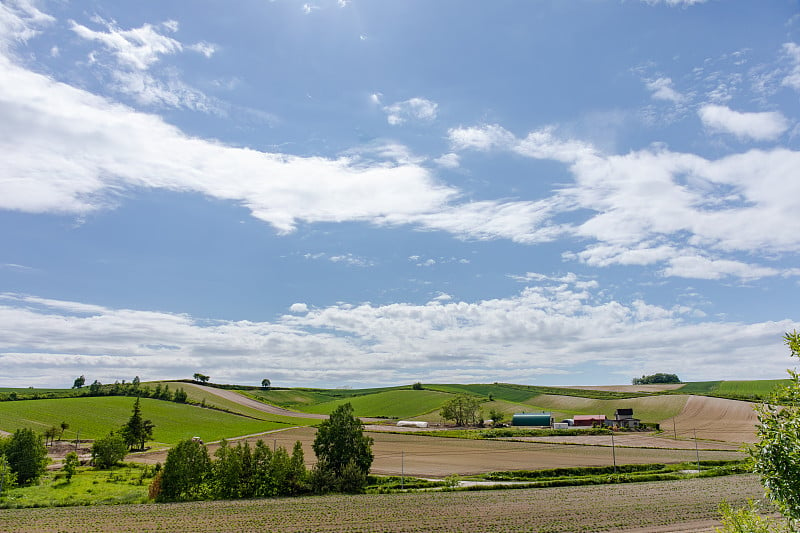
(659, 377)
(132, 388)
(463, 410)
(344, 456)
(23, 458)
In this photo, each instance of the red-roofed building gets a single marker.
(588, 420)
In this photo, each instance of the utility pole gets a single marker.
(402, 469)
(613, 451)
(77, 440)
(674, 430)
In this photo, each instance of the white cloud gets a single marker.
(792, 79)
(419, 109)
(352, 260)
(662, 89)
(135, 52)
(698, 267)
(20, 21)
(450, 160)
(764, 126)
(298, 308)
(674, 3)
(553, 327)
(57, 163)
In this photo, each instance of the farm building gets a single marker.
(624, 418)
(411, 424)
(532, 419)
(588, 420)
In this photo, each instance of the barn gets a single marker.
(588, 420)
(532, 419)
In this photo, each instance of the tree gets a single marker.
(96, 388)
(180, 396)
(185, 473)
(463, 409)
(137, 431)
(64, 426)
(109, 450)
(27, 455)
(496, 416)
(50, 435)
(201, 377)
(776, 455)
(265, 383)
(71, 463)
(341, 447)
(79, 382)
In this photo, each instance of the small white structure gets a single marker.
(411, 424)
(561, 425)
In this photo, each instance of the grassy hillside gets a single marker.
(389, 404)
(95, 417)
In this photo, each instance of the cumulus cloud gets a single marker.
(552, 326)
(792, 79)
(418, 109)
(764, 126)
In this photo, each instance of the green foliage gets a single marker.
(26, 455)
(185, 473)
(496, 416)
(202, 378)
(747, 520)
(79, 382)
(265, 383)
(389, 403)
(71, 463)
(776, 455)
(657, 378)
(464, 410)
(8, 478)
(109, 450)
(417, 386)
(341, 447)
(138, 430)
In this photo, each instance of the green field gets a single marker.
(750, 389)
(95, 417)
(389, 404)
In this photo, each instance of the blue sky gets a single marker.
(350, 193)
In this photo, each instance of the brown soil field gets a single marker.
(715, 418)
(637, 440)
(686, 505)
(421, 456)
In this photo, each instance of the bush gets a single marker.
(108, 451)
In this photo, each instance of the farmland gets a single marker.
(173, 421)
(684, 505)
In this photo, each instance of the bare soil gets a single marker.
(715, 418)
(685, 505)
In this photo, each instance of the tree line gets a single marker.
(344, 456)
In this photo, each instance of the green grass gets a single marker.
(750, 389)
(698, 387)
(96, 416)
(389, 404)
(123, 484)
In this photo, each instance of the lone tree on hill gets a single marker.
(202, 378)
(344, 453)
(79, 382)
(265, 383)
